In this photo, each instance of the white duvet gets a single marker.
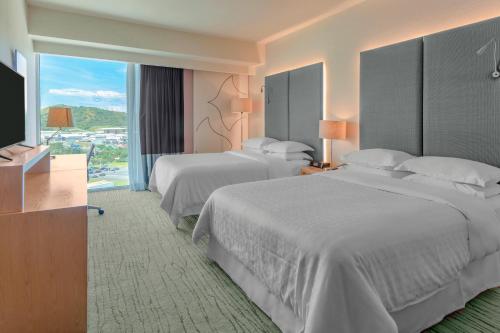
(343, 250)
(186, 181)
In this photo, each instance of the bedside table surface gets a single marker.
(309, 170)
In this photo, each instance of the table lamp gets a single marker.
(333, 130)
(241, 106)
(60, 117)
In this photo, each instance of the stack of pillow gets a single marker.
(286, 150)
(377, 161)
(256, 145)
(469, 177)
(289, 150)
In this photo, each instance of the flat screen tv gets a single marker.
(12, 109)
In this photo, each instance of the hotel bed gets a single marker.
(186, 181)
(347, 251)
(353, 252)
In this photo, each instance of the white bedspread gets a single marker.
(186, 181)
(342, 250)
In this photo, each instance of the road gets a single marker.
(118, 176)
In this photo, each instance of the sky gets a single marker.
(83, 82)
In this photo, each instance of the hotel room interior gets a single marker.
(250, 166)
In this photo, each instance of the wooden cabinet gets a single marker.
(43, 246)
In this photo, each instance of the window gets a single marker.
(95, 90)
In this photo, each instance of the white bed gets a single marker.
(186, 181)
(349, 252)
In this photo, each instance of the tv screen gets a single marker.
(12, 125)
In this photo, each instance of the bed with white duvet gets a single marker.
(186, 181)
(344, 251)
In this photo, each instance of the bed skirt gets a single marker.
(477, 277)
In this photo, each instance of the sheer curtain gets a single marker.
(135, 163)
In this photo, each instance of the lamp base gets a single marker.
(321, 165)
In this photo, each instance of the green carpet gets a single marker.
(146, 276)
(481, 315)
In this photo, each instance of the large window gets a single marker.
(95, 91)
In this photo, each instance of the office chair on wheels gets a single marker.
(90, 154)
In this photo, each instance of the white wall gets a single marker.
(14, 35)
(205, 88)
(338, 40)
(61, 32)
(136, 57)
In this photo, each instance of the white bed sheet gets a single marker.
(477, 277)
(186, 181)
(343, 250)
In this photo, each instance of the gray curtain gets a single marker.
(161, 114)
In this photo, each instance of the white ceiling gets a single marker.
(253, 20)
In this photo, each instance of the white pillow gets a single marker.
(478, 191)
(375, 171)
(287, 147)
(377, 158)
(454, 169)
(258, 143)
(291, 156)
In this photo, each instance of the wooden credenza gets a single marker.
(43, 243)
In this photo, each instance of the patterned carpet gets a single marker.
(146, 276)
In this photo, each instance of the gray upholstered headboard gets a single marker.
(276, 103)
(461, 99)
(434, 95)
(391, 97)
(294, 106)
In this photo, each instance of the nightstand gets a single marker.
(309, 170)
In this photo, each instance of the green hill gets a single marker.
(90, 118)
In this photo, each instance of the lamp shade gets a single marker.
(60, 117)
(241, 105)
(333, 129)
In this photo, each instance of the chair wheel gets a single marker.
(101, 211)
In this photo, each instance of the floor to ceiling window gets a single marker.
(95, 91)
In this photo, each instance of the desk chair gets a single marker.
(90, 154)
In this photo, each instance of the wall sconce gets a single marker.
(495, 74)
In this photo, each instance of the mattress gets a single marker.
(343, 251)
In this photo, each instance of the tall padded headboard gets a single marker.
(306, 107)
(294, 106)
(391, 97)
(276, 114)
(461, 100)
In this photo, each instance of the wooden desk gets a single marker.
(43, 251)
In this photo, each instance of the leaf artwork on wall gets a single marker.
(218, 114)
